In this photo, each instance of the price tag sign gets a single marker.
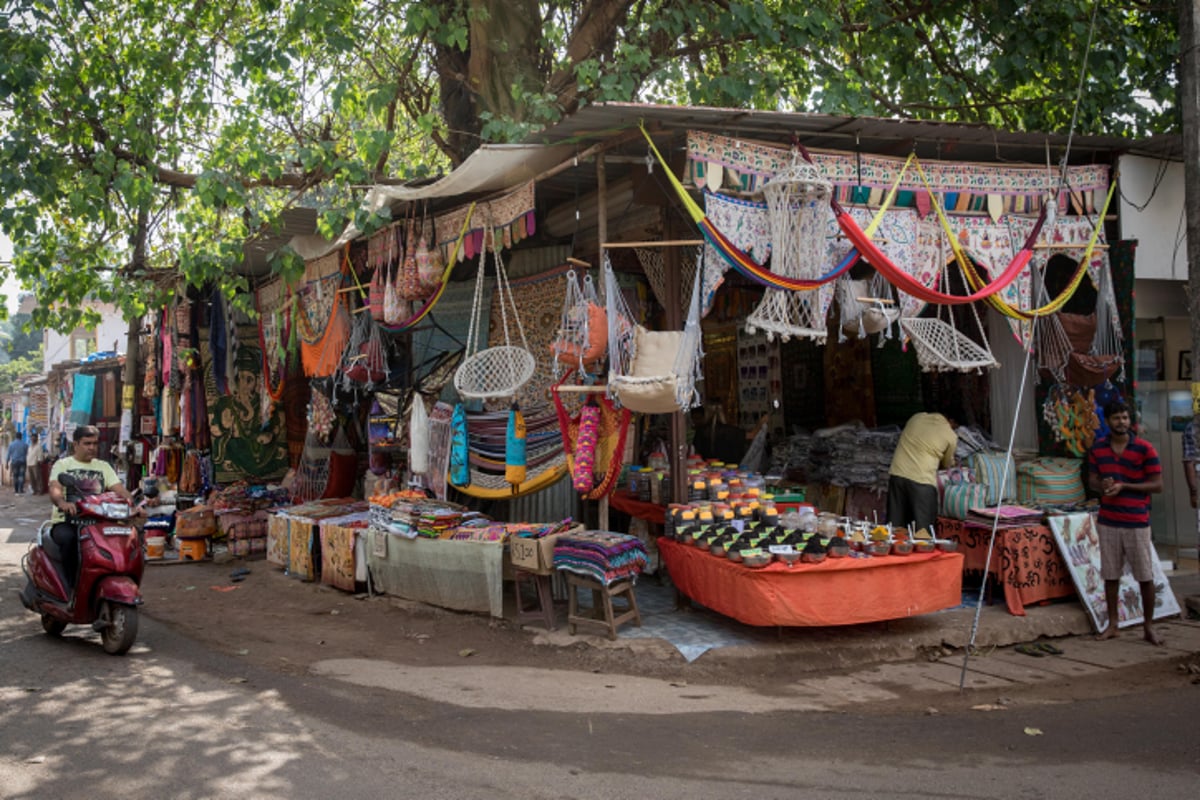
(781, 549)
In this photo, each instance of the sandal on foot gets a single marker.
(1030, 650)
(1046, 647)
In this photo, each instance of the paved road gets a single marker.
(175, 720)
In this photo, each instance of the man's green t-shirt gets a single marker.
(88, 479)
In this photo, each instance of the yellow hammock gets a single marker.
(508, 491)
(977, 282)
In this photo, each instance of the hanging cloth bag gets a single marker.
(583, 474)
(418, 437)
(514, 448)
(410, 277)
(460, 455)
(429, 262)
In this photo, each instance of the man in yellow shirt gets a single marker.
(926, 445)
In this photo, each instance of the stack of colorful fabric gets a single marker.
(601, 555)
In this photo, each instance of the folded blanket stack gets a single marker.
(602, 555)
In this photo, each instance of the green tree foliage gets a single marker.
(20, 339)
(145, 143)
(11, 372)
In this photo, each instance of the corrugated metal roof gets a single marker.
(931, 139)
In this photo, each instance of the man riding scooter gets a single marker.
(85, 475)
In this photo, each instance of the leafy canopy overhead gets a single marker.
(144, 143)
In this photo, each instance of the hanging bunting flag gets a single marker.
(514, 447)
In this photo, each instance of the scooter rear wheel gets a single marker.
(52, 626)
(122, 629)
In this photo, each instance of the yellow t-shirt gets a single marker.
(927, 444)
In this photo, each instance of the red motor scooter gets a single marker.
(111, 563)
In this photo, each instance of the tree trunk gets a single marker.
(1189, 101)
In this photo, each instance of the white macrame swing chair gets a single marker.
(652, 372)
(798, 211)
(866, 307)
(499, 372)
(941, 346)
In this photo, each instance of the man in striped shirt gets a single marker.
(1125, 470)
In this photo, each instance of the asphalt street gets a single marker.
(176, 719)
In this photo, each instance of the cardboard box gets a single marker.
(533, 555)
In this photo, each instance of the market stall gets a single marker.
(845, 591)
(1026, 562)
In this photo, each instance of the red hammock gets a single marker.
(613, 422)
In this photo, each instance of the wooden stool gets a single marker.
(543, 609)
(602, 614)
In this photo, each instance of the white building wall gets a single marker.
(1159, 227)
(112, 330)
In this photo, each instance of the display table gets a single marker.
(1025, 562)
(463, 575)
(624, 501)
(838, 591)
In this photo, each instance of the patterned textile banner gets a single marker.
(242, 447)
(507, 219)
(744, 165)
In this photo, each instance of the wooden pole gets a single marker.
(674, 321)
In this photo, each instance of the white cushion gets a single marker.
(654, 353)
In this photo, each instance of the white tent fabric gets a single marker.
(491, 168)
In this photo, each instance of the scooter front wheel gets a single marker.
(52, 626)
(122, 628)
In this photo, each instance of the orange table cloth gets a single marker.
(1025, 561)
(838, 591)
(624, 501)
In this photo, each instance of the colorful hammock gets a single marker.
(610, 444)
(742, 262)
(908, 284)
(1058, 302)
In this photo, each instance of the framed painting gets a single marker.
(1079, 543)
(1185, 365)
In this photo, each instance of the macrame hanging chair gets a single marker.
(582, 339)
(798, 212)
(652, 372)
(1083, 349)
(866, 307)
(655, 268)
(941, 347)
(490, 373)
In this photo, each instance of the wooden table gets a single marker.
(1025, 561)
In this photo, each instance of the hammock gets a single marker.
(494, 372)
(1058, 302)
(612, 434)
(652, 372)
(942, 347)
(797, 204)
(1083, 350)
(742, 262)
(545, 459)
(909, 285)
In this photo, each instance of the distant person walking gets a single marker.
(1191, 472)
(35, 457)
(18, 451)
(1125, 470)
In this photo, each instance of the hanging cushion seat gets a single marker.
(650, 387)
(596, 348)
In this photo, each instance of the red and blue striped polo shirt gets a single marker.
(1136, 463)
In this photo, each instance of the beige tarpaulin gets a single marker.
(491, 168)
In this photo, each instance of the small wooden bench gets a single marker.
(602, 614)
(543, 608)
